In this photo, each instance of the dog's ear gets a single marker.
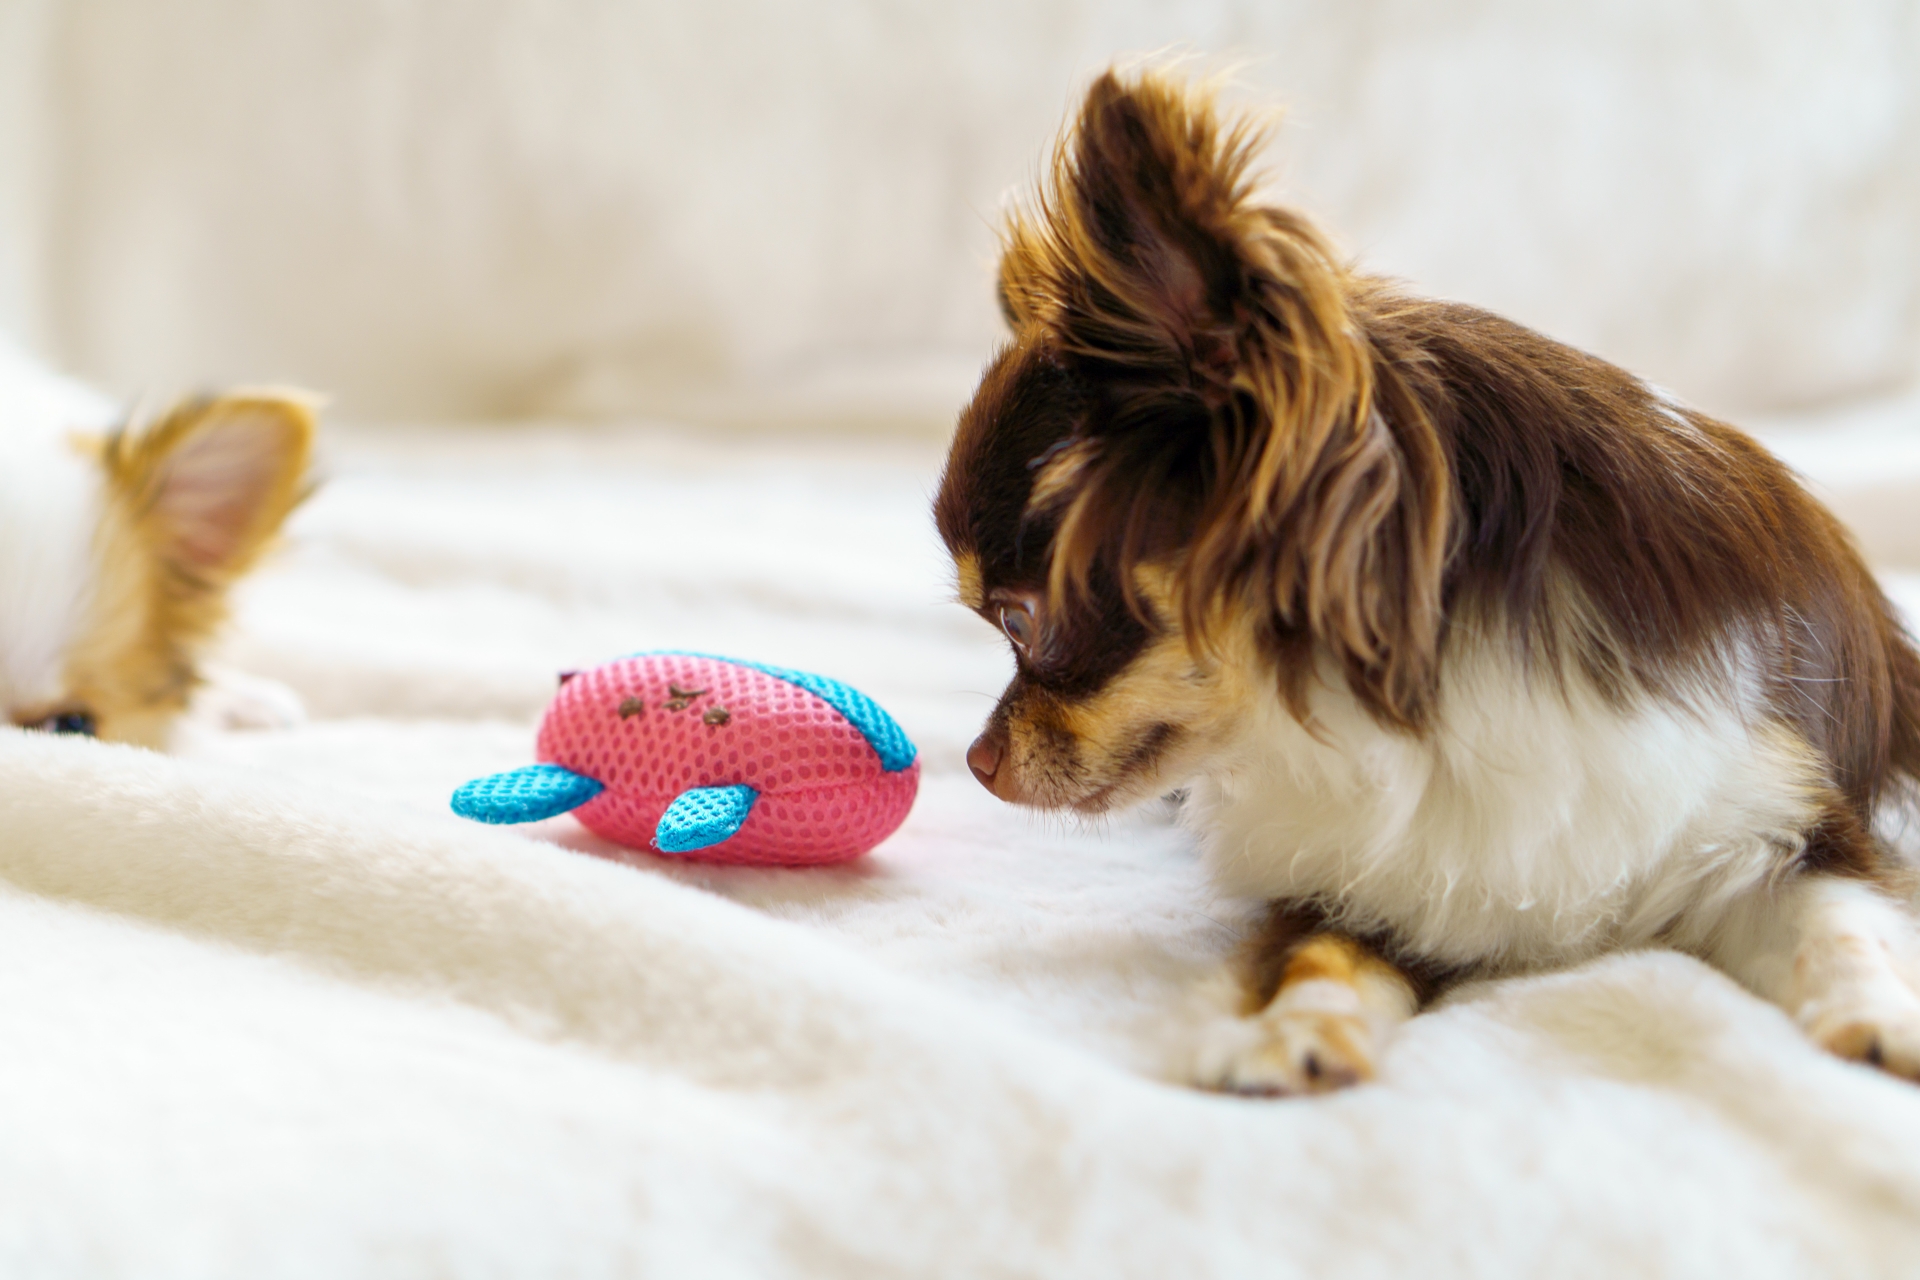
(1147, 249)
(1011, 297)
(209, 484)
(1241, 430)
(1156, 192)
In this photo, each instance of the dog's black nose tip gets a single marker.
(983, 757)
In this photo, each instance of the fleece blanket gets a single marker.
(271, 1010)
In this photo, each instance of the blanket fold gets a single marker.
(268, 1009)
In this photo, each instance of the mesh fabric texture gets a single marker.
(888, 740)
(656, 725)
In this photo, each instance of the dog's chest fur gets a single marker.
(50, 503)
(1533, 823)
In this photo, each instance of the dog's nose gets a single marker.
(983, 757)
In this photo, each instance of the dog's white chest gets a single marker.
(1532, 825)
(49, 509)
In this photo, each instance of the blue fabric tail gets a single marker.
(524, 795)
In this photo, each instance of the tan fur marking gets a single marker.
(1200, 698)
(969, 587)
(1062, 474)
(1329, 957)
(1163, 687)
(1083, 753)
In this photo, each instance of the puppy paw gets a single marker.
(1295, 1046)
(230, 699)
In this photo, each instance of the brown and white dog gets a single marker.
(118, 544)
(1475, 653)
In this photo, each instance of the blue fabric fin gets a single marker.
(525, 795)
(703, 816)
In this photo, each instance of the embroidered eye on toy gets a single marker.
(712, 758)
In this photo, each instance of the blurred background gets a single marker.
(750, 211)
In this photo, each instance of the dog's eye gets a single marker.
(66, 722)
(1016, 619)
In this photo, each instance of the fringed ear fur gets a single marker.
(210, 483)
(202, 492)
(1243, 431)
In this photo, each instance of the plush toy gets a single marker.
(712, 758)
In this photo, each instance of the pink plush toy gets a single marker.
(717, 759)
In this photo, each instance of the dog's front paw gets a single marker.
(1877, 1024)
(231, 699)
(1305, 1042)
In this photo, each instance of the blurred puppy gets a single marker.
(1477, 653)
(117, 548)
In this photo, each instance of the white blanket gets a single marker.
(270, 1010)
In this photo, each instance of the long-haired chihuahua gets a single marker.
(118, 545)
(1474, 653)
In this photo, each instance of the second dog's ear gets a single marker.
(192, 500)
(211, 482)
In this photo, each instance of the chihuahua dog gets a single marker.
(117, 545)
(1474, 653)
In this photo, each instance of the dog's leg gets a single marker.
(1840, 955)
(1316, 1008)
